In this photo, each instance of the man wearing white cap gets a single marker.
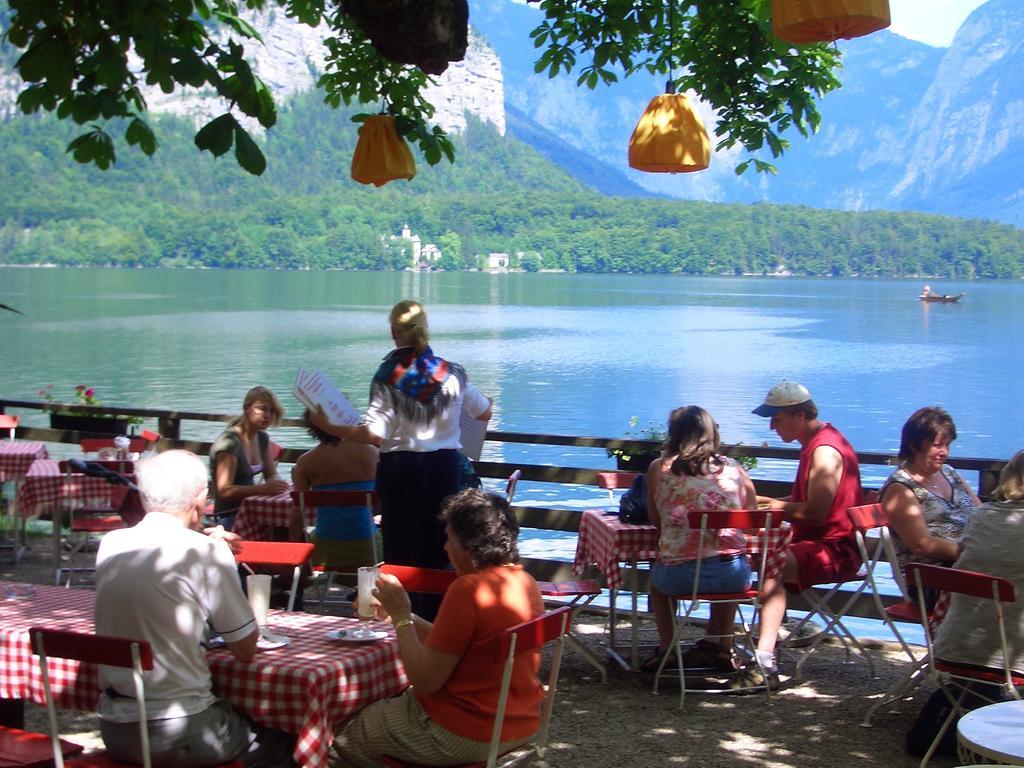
(827, 483)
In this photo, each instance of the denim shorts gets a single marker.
(717, 574)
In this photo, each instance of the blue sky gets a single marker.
(930, 21)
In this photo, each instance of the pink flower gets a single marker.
(90, 392)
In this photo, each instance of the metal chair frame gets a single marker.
(948, 674)
(136, 655)
(316, 499)
(84, 523)
(865, 518)
(702, 523)
(531, 635)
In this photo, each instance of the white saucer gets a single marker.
(268, 641)
(359, 635)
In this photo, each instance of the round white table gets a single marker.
(993, 733)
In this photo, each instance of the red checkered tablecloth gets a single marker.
(307, 687)
(44, 488)
(258, 516)
(605, 541)
(17, 456)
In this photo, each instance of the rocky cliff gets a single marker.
(292, 58)
(963, 147)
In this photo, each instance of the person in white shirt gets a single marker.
(416, 402)
(162, 581)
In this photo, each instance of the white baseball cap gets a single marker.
(781, 395)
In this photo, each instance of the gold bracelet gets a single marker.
(403, 623)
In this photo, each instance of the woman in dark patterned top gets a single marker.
(928, 502)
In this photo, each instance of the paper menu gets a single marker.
(313, 388)
(472, 436)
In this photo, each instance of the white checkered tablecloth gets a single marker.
(313, 684)
(44, 488)
(605, 541)
(17, 456)
(307, 687)
(258, 516)
(53, 607)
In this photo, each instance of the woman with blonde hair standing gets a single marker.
(243, 451)
(416, 400)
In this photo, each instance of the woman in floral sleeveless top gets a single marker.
(692, 476)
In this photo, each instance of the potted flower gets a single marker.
(636, 458)
(81, 420)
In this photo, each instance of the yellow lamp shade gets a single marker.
(381, 154)
(819, 21)
(669, 137)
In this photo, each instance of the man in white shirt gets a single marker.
(163, 581)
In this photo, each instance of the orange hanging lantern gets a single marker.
(381, 154)
(822, 21)
(669, 137)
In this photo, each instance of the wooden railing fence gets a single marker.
(169, 422)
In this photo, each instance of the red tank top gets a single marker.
(848, 494)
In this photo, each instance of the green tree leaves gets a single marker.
(218, 135)
(76, 55)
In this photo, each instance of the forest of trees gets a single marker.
(181, 208)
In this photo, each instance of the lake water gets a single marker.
(560, 354)
(565, 354)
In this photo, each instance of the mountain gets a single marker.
(964, 147)
(913, 127)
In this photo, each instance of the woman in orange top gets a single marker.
(447, 715)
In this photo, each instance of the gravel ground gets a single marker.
(812, 722)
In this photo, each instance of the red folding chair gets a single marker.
(576, 594)
(86, 522)
(880, 553)
(957, 680)
(615, 481)
(137, 445)
(431, 581)
(277, 556)
(519, 644)
(28, 749)
(136, 655)
(510, 486)
(323, 502)
(10, 423)
(762, 521)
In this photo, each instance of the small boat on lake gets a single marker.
(939, 298)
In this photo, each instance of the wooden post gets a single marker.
(169, 427)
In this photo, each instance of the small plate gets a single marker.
(268, 641)
(356, 635)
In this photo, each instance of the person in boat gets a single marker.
(693, 476)
(927, 501)
(927, 291)
(163, 581)
(824, 550)
(343, 536)
(446, 716)
(416, 400)
(241, 452)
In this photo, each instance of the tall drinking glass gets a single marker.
(258, 587)
(366, 580)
